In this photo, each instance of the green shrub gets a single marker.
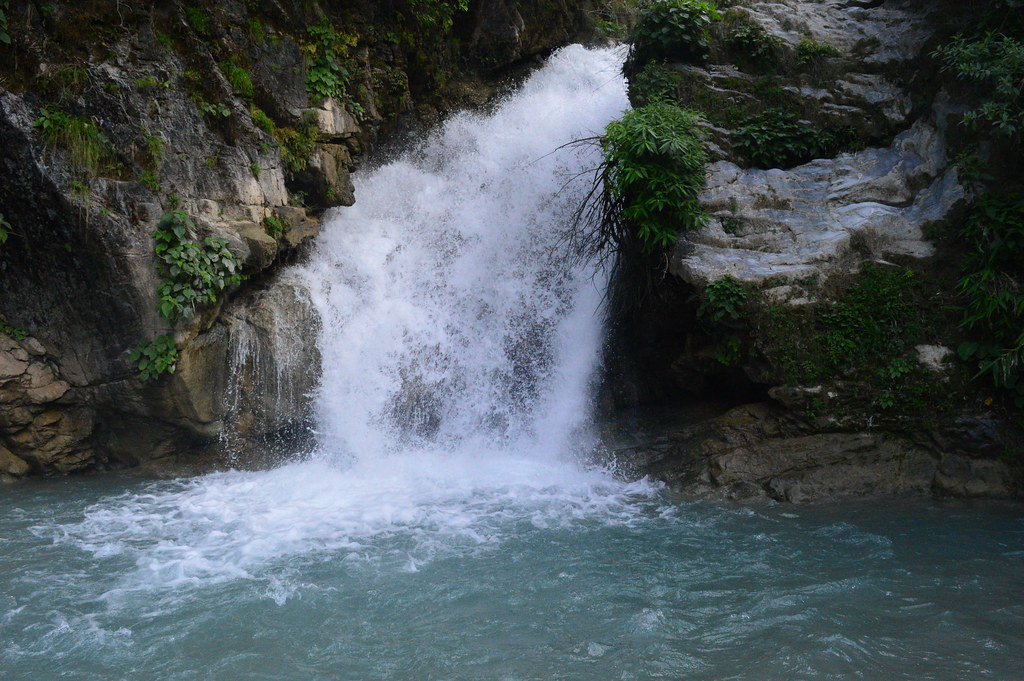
(238, 77)
(437, 14)
(298, 144)
(5, 229)
(811, 51)
(724, 300)
(994, 65)
(82, 139)
(192, 272)
(654, 83)
(993, 290)
(156, 357)
(748, 42)
(329, 64)
(778, 139)
(655, 164)
(675, 30)
(273, 226)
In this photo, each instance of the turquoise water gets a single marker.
(498, 576)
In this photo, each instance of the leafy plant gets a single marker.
(748, 41)
(811, 51)
(273, 226)
(192, 272)
(298, 143)
(155, 357)
(993, 289)
(82, 139)
(214, 110)
(655, 167)
(5, 229)
(654, 83)
(994, 65)
(148, 179)
(238, 77)
(437, 14)
(778, 139)
(673, 30)
(724, 299)
(329, 67)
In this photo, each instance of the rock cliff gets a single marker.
(249, 117)
(814, 305)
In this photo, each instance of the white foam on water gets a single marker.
(458, 351)
(400, 512)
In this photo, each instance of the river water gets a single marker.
(444, 527)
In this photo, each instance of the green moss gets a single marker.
(238, 77)
(261, 120)
(199, 20)
(861, 339)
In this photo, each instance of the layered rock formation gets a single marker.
(794, 240)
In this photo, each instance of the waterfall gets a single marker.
(450, 318)
(457, 349)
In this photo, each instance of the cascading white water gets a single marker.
(450, 318)
(457, 350)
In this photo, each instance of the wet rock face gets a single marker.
(796, 226)
(761, 451)
(43, 426)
